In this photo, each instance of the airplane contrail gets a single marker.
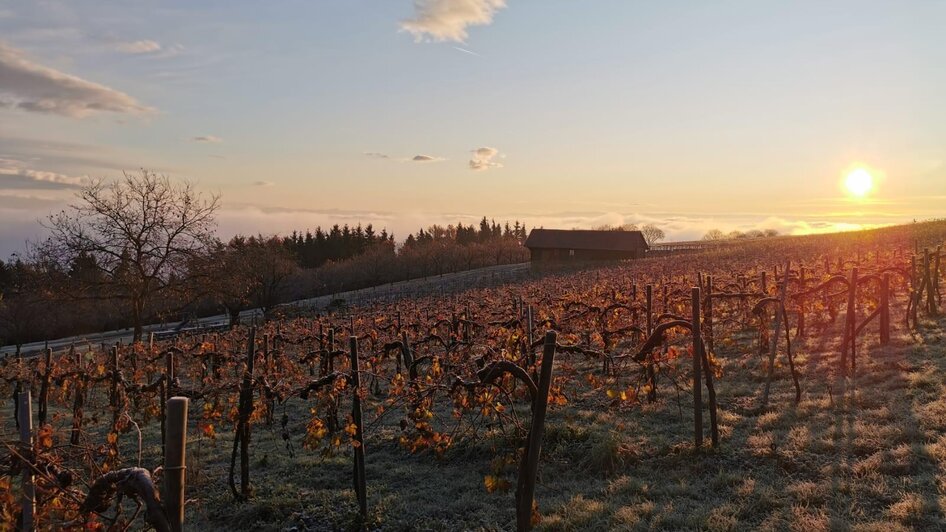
(464, 50)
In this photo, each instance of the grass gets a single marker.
(860, 454)
(863, 453)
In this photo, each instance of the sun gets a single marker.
(859, 182)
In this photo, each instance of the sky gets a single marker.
(560, 113)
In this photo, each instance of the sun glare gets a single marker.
(859, 182)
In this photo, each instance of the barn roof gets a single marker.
(585, 239)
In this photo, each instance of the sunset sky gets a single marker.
(562, 113)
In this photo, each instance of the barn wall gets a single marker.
(561, 254)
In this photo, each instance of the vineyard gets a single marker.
(795, 382)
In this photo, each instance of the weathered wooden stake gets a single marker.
(530, 333)
(651, 374)
(358, 439)
(330, 362)
(114, 397)
(525, 488)
(885, 310)
(241, 437)
(174, 462)
(697, 373)
(850, 323)
(773, 346)
(79, 401)
(710, 337)
(801, 303)
(166, 393)
(26, 439)
(43, 406)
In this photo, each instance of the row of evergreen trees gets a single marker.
(313, 249)
(488, 231)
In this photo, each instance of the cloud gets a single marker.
(483, 159)
(28, 202)
(138, 47)
(447, 20)
(207, 138)
(77, 157)
(262, 183)
(419, 158)
(13, 175)
(32, 87)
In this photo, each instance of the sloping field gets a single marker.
(863, 449)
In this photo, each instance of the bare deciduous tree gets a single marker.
(141, 230)
(714, 235)
(270, 266)
(652, 234)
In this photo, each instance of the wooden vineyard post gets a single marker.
(773, 346)
(166, 393)
(850, 323)
(928, 281)
(697, 373)
(801, 303)
(266, 368)
(885, 309)
(43, 406)
(330, 359)
(528, 470)
(25, 418)
(265, 351)
(174, 460)
(406, 353)
(358, 439)
(651, 375)
(114, 398)
(79, 400)
(708, 348)
(935, 286)
(529, 339)
(241, 439)
(650, 313)
(710, 337)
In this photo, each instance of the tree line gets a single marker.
(144, 248)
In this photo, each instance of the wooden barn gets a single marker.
(548, 245)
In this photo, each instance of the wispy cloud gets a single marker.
(207, 138)
(262, 183)
(448, 20)
(483, 159)
(419, 158)
(15, 174)
(138, 47)
(33, 87)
